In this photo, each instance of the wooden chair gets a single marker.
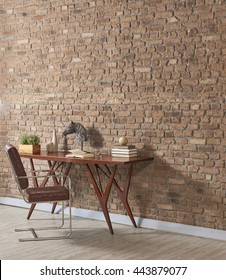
(54, 193)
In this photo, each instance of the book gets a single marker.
(124, 151)
(79, 154)
(125, 147)
(124, 155)
(76, 151)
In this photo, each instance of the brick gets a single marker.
(22, 41)
(197, 141)
(165, 206)
(87, 34)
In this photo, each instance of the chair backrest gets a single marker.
(17, 166)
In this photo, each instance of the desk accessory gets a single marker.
(79, 130)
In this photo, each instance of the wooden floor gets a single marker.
(92, 240)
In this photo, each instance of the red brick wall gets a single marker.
(151, 70)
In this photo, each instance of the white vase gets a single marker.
(54, 141)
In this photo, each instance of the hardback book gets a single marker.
(124, 151)
(124, 155)
(125, 147)
(121, 154)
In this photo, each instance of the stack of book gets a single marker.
(124, 151)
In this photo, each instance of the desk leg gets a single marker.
(56, 181)
(103, 195)
(123, 194)
(35, 182)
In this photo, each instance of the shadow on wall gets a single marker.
(161, 191)
(95, 138)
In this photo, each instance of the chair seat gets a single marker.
(54, 193)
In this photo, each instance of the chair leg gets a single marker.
(35, 236)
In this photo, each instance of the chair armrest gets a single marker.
(47, 176)
(43, 176)
(46, 171)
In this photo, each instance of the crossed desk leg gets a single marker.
(103, 195)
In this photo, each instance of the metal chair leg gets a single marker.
(34, 233)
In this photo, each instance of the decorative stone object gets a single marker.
(123, 140)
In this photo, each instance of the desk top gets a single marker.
(103, 159)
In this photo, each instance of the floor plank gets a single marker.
(92, 240)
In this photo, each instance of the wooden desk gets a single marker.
(101, 164)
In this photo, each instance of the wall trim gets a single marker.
(123, 219)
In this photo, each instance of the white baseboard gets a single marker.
(123, 219)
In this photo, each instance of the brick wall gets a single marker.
(151, 70)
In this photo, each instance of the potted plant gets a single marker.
(29, 143)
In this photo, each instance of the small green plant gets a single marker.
(29, 139)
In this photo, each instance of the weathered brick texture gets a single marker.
(153, 71)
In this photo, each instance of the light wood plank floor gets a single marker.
(91, 240)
